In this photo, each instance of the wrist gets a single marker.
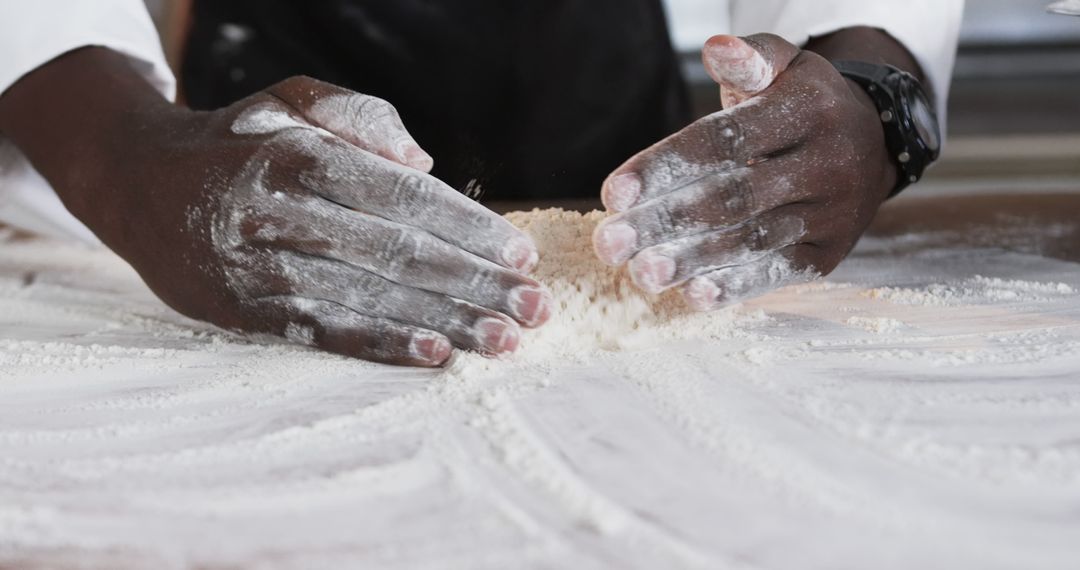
(890, 172)
(78, 120)
(871, 45)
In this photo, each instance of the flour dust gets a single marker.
(917, 408)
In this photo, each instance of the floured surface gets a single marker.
(920, 408)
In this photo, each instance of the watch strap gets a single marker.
(876, 79)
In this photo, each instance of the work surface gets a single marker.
(920, 408)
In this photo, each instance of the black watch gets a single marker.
(912, 131)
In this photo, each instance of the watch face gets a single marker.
(922, 114)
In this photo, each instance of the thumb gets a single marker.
(364, 121)
(746, 66)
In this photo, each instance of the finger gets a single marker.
(304, 158)
(336, 329)
(712, 202)
(367, 183)
(401, 254)
(788, 266)
(664, 266)
(717, 143)
(365, 121)
(747, 66)
(743, 67)
(466, 325)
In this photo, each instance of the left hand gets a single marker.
(773, 190)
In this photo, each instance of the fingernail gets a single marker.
(530, 305)
(520, 254)
(415, 157)
(431, 348)
(497, 336)
(701, 294)
(652, 272)
(623, 192)
(614, 243)
(736, 64)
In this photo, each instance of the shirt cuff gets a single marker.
(929, 29)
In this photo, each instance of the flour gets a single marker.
(598, 308)
(977, 289)
(358, 243)
(264, 119)
(880, 325)
(300, 334)
(373, 124)
(627, 433)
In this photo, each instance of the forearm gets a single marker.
(74, 118)
(866, 44)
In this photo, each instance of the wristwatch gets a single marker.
(912, 131)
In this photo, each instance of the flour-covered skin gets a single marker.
(334, 227)
(305, 211)
(739, 68)
(773, 190)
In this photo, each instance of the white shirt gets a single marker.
(34, 32)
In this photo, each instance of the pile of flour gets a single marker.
(598, 308)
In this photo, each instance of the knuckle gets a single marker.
(757, 238)
(788, 230)
(257, 228)
(416, 195)
(492, 288)
(372, 285)
(371, 110)
(478, 218)
(668, 168)
(775, 234)
(723, 136)
(411, 191)
(659, 171)
(402, 248)
(662, 219)
(312, 331)
(485, 221)
(735, 198)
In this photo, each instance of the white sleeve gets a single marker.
(929, 29)
(35, 32)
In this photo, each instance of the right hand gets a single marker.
(306, 211)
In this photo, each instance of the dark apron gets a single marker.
(533, 99)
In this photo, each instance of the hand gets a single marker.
(776, 189)
(303, 211)
(317, 221)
